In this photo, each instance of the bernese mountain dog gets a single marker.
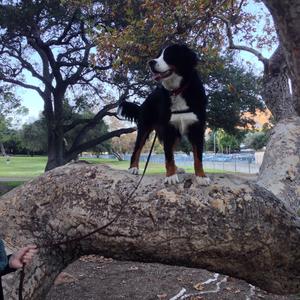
(175, 108)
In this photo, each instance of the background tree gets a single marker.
(233, 90)
(227, 143)
(123, 145)
(256, 140)
(8, 100)
(34, 135)
(3, 133)
(10, 109)
(52, 42)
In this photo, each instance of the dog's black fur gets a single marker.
(183, 86)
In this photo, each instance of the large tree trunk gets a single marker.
(287, 21)
(2, 149)
(276, 88)
(233, 226)
(56, 147)
(53, 158)
(280, 171)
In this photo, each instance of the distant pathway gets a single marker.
(7, 179)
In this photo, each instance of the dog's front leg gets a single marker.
(171, 176)
(143, 134)
(201, 178)
(196, 138)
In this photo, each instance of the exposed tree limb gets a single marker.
(233, 226)
(74, 151)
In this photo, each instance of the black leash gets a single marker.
(21, 282)
(55, 244)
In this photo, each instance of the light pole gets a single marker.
(215, 142)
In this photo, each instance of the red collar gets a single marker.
(178, 91)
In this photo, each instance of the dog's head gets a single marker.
(172, 62)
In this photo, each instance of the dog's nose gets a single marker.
(152, 63)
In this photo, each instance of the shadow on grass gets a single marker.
(6, 186)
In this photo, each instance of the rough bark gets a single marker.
(233, 226)
(280, 170)
(286, 18)
(276, 90)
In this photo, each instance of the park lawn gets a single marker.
(153, 168)
(22, 168)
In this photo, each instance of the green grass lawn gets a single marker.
(26, 167)
(153, 168)
(22, 168)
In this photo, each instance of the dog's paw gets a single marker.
(134, 171)
(203, 180)
(173, 179)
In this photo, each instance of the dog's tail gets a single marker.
(130, 111)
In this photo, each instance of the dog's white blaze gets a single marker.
(178, 103)
(184, 120)
(161, 65)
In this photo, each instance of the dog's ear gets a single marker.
(191, 57)
(188, 59)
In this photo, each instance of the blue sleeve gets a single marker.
(4, 259)
(7, 268)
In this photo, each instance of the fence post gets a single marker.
(235, 164)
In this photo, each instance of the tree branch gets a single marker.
(41, 47)
(74, 124)
(22, 84)
(28, 66)
(67, 28)
(233, 46)
(99, 116)
(74, 151)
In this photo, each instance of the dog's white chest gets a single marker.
(181, 121)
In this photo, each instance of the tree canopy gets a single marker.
(94, 53)
(52, 42)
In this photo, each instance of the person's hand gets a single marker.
(23, 256)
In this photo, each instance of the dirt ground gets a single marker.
(98, 278)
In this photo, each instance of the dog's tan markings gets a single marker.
(171, 168)
(135, 162)
(198, 164)
(137, 151)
